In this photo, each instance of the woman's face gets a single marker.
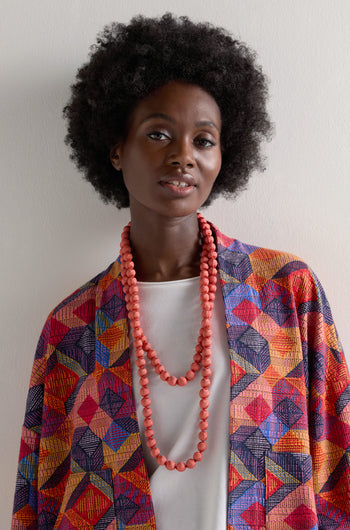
(171, 155)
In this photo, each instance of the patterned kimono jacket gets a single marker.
(81, 463)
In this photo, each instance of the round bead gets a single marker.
(190, 463)
(204, 414)
(201, 446)
(137, 334)
(172, 380)
(170, 464)
(161, 460)
(159, 369)
(144, 381)
(204, 403)
(155, 452)
(190, 375)
(205, 382)
(148, 422)
(142, 372)
(147, 412)
(155, 362)
(204, 393)
(164, 376)
(144, 391)
(197, 457)
(203, 436)
(149, 433)
(139, 354)
(181, 466)
(146, 402)
(151, 443)
(203, 425)
(206, 372)
(182, 381)
(206, 362)
(140, 363)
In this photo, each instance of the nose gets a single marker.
(181, 153)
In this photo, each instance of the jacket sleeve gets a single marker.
(25, 510)
(329, 405)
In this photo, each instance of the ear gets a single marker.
(114, 156)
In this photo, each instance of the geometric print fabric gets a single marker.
(81, 461)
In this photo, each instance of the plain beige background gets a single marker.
(56, 233)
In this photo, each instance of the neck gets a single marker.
(165, 249)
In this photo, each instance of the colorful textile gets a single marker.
(81, 463)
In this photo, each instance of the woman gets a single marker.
(198, 382)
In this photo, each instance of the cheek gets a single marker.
(131, 171)
(214, 165)
(130, 177)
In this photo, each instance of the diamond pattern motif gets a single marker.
(258, 409)
(254, 516)
(302, 517)
(87, 409)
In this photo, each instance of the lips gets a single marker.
(179, 180)
(178, 184)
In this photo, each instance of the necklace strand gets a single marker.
(201, 357)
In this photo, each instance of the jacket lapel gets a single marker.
(119, 428)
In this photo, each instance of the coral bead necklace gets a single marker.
(201, 357)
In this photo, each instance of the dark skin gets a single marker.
(170, 159)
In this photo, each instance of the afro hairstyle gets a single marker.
(130, 61)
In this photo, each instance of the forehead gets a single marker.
(180, 102)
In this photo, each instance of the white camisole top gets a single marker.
(195, 499)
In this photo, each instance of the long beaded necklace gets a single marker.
(201, 357)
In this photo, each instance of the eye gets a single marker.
(157, 135)
(205, 142)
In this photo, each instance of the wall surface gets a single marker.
(56, 233)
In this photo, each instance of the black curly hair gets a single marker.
(131, 60)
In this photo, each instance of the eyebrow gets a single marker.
(207, 122)
(171, 120)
